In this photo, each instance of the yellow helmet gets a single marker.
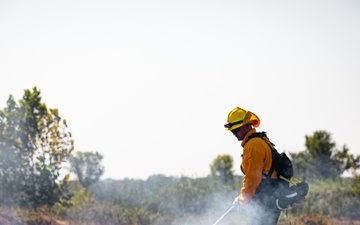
(239, 117)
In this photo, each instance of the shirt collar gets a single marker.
(253, 130)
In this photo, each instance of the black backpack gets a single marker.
(280, 161)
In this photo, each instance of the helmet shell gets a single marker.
(239, 114)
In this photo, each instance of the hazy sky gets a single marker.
(149, 84)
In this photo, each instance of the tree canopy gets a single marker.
(222, 168)
(322, 159)
(34, 142)
(87, 167)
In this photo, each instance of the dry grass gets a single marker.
(316, 220)
(17, 217)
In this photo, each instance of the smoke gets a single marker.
(218, 206)
(222, 209)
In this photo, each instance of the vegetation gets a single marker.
(222, 169)
(322, 160)
(87, 167)
(34, 143)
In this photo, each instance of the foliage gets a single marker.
(87, 167)
(33, 145)
(168, 198)
(222, 168)
(321, 159)
(86, 209)
(334, 199)
(171, 200)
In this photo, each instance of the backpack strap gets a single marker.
(262, 135)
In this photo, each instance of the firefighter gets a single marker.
(258, 192)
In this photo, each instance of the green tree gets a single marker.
(222, 169)
(345, 161)
(34, 142)
(321, 159)
(87, 167)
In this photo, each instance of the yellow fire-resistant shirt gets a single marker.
(256, 159)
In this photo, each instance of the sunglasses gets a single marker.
(235, 130)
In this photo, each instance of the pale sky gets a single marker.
(149, 84)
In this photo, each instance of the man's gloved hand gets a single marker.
(236, 201)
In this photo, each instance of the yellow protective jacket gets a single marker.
(256, 160)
